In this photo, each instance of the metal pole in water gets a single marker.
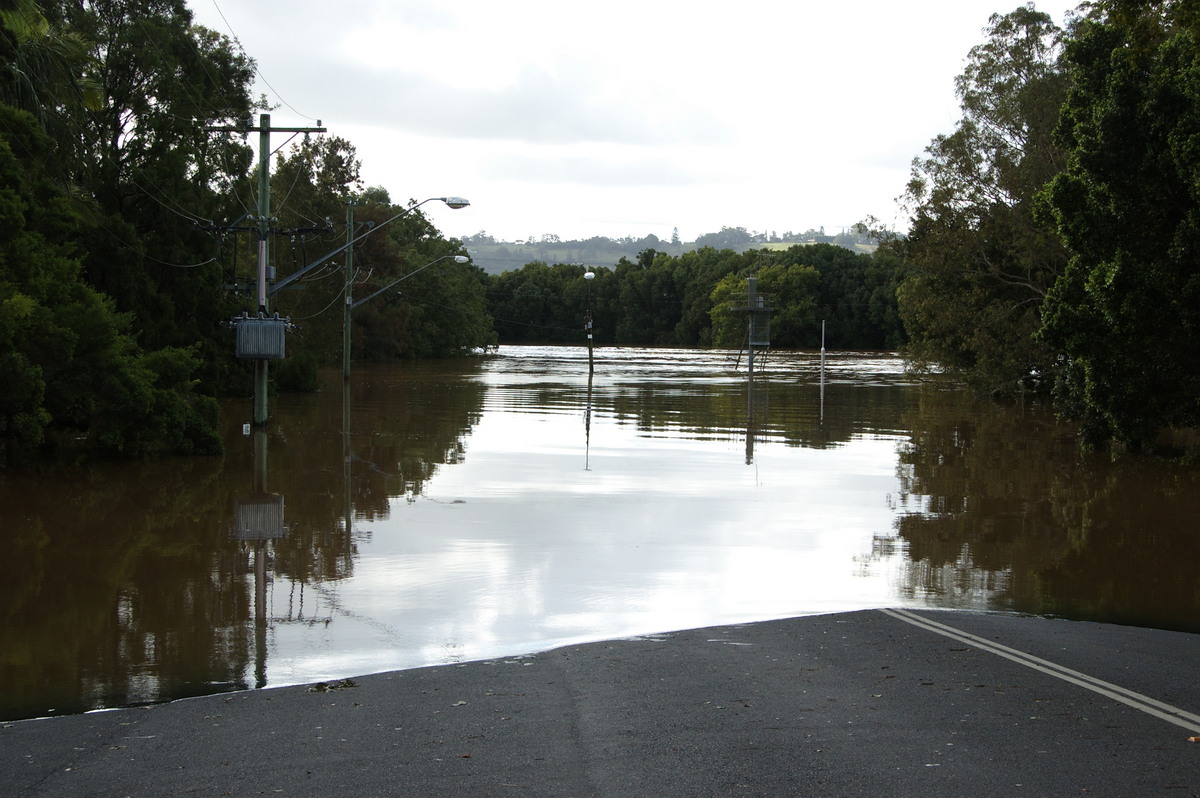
(822, 369)
(591, 362)
(589, 275)
(751, 303)
(822, 351)
(347, 503)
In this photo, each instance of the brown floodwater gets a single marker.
(437, 512)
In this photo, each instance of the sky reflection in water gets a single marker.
(563, 524)
(500, 507)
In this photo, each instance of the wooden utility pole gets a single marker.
(349, 289)
(264, 130)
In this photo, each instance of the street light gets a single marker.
(589, 275)
(351, 305)
(452, 202)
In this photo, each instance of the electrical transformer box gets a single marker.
(261, 338)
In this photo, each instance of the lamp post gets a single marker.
(352, 305)
(349, 269)
(589, 275)
(452, 202)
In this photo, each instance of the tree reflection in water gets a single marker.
(438, 510)
(1001, 510)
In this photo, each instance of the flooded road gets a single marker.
(436, 512)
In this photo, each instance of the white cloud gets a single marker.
(636, 117)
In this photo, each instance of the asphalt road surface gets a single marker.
(879, 703)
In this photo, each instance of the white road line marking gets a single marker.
(1136, 700)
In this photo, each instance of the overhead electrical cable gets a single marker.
(258, 71)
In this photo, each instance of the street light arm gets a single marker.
(453, 202)
(457, 259)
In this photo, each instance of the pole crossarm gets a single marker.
(296, 275)
(268, 129)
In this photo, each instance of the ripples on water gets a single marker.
(445, 511)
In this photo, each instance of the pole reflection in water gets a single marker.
(822, 370)
(587, 425)
(347, 498)
(750, 415)
(750, 383)
(258, 522)
(460, 525)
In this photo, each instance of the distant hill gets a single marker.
(495, 257)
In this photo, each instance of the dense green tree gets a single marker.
(109, 282)
(43, 67)
(856, 297)
(665, 300)
(978, 260)
(1126, 312)
(698, 271)
(66, 357)
(505, 300)
(122, 233)
(651, 301)
(153, 177)
(882, 328)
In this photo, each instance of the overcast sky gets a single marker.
(621, 118)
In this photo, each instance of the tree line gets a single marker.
(130, 226)
(1052, 241)
(1056, 230)
(686, 300)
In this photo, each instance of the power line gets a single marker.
(258, 71)
(179, 210)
